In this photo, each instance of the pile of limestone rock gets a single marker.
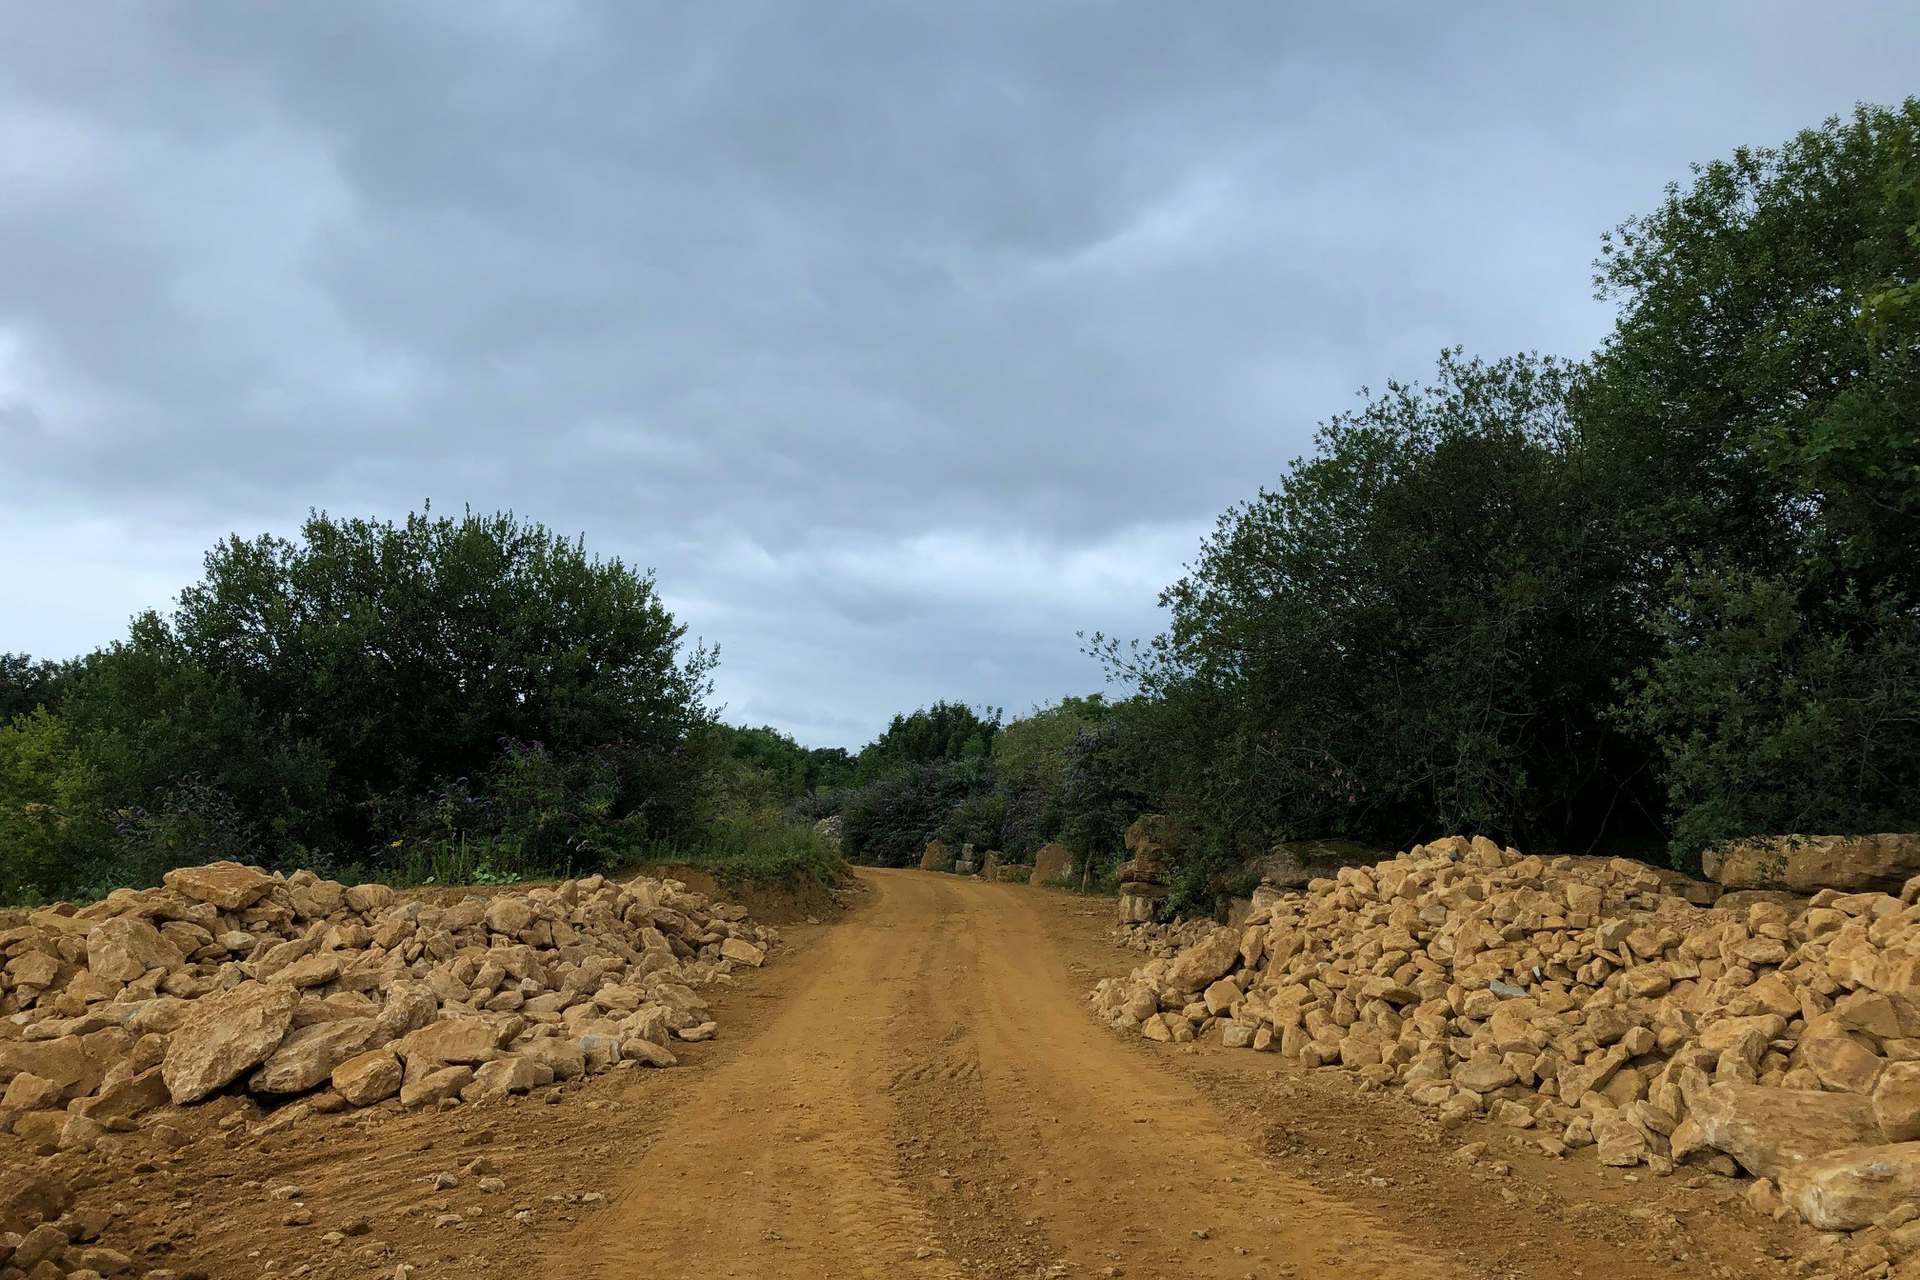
(1589, 1003)
(319, 996)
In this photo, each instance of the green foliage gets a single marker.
(979, 819)
(50, 817)
(794, 772)
(405, 653)
(1745, 413)
(1412, 632)
(1106, 783)
(472, 695)
(26, 684)
(1032, 751)
(888, 823)
(763, 848)
(943, 732)
(1770, 721)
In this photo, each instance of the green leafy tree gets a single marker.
(888, 822)
(52, 824)
(1757, 413)
(1745, 414)
(945, 731)
(1771, 722)
(1417, 630)
(26, 684)
(324, 689)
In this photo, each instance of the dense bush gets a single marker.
(1770, 721)
(1413, 632)
(889, 822)
(372, 694)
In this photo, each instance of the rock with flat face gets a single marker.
(123, 949)
(308, 971)
(29, 1092)
(1772, 1131)
(937, 857)
(309, 1054)
(504, 1076)
(66, 1061)
(227, 885)
(1201, 964)
(1896, 1102)
(1808, 864)
(1051, 862)
(367, 1078)
(451, 1041)
(1854, 1187)
(740, 951)
(224, 1036)
(436, 1086)
(509, 915)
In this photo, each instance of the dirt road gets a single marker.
(931, 1098)
(917, 1090)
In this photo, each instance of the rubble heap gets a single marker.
(1589, 1002)
(322, 996)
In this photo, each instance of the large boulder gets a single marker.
(450, 1042)
(1808, 864)
(1773, 1131)
(938, 857)
(1052, 862)
(1896, 1102)
(1854, 1187)
(227, 885)
(367, 1078)
(309, 1054)
(1198, 966)
(224, 1036)
(122, 949)
(67, 1062)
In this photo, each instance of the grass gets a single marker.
(758, 853)
(742, 851)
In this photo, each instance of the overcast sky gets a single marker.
(904, 340)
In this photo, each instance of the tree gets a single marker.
(942, 732)
(26, 684)
(1416, 631)
(888, 822)
(1770, 722)
(1755, 411)
(327, 684)
(1756, 404)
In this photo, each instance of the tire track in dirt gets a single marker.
(934, 1101)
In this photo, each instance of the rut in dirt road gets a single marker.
(934, 1100)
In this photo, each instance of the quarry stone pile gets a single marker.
(314, 996)
(1588, 1003)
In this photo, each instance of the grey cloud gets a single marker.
(904, 340)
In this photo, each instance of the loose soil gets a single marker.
(921, 1090)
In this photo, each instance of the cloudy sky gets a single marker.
(903, 339)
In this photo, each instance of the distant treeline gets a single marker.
(1644, 602)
